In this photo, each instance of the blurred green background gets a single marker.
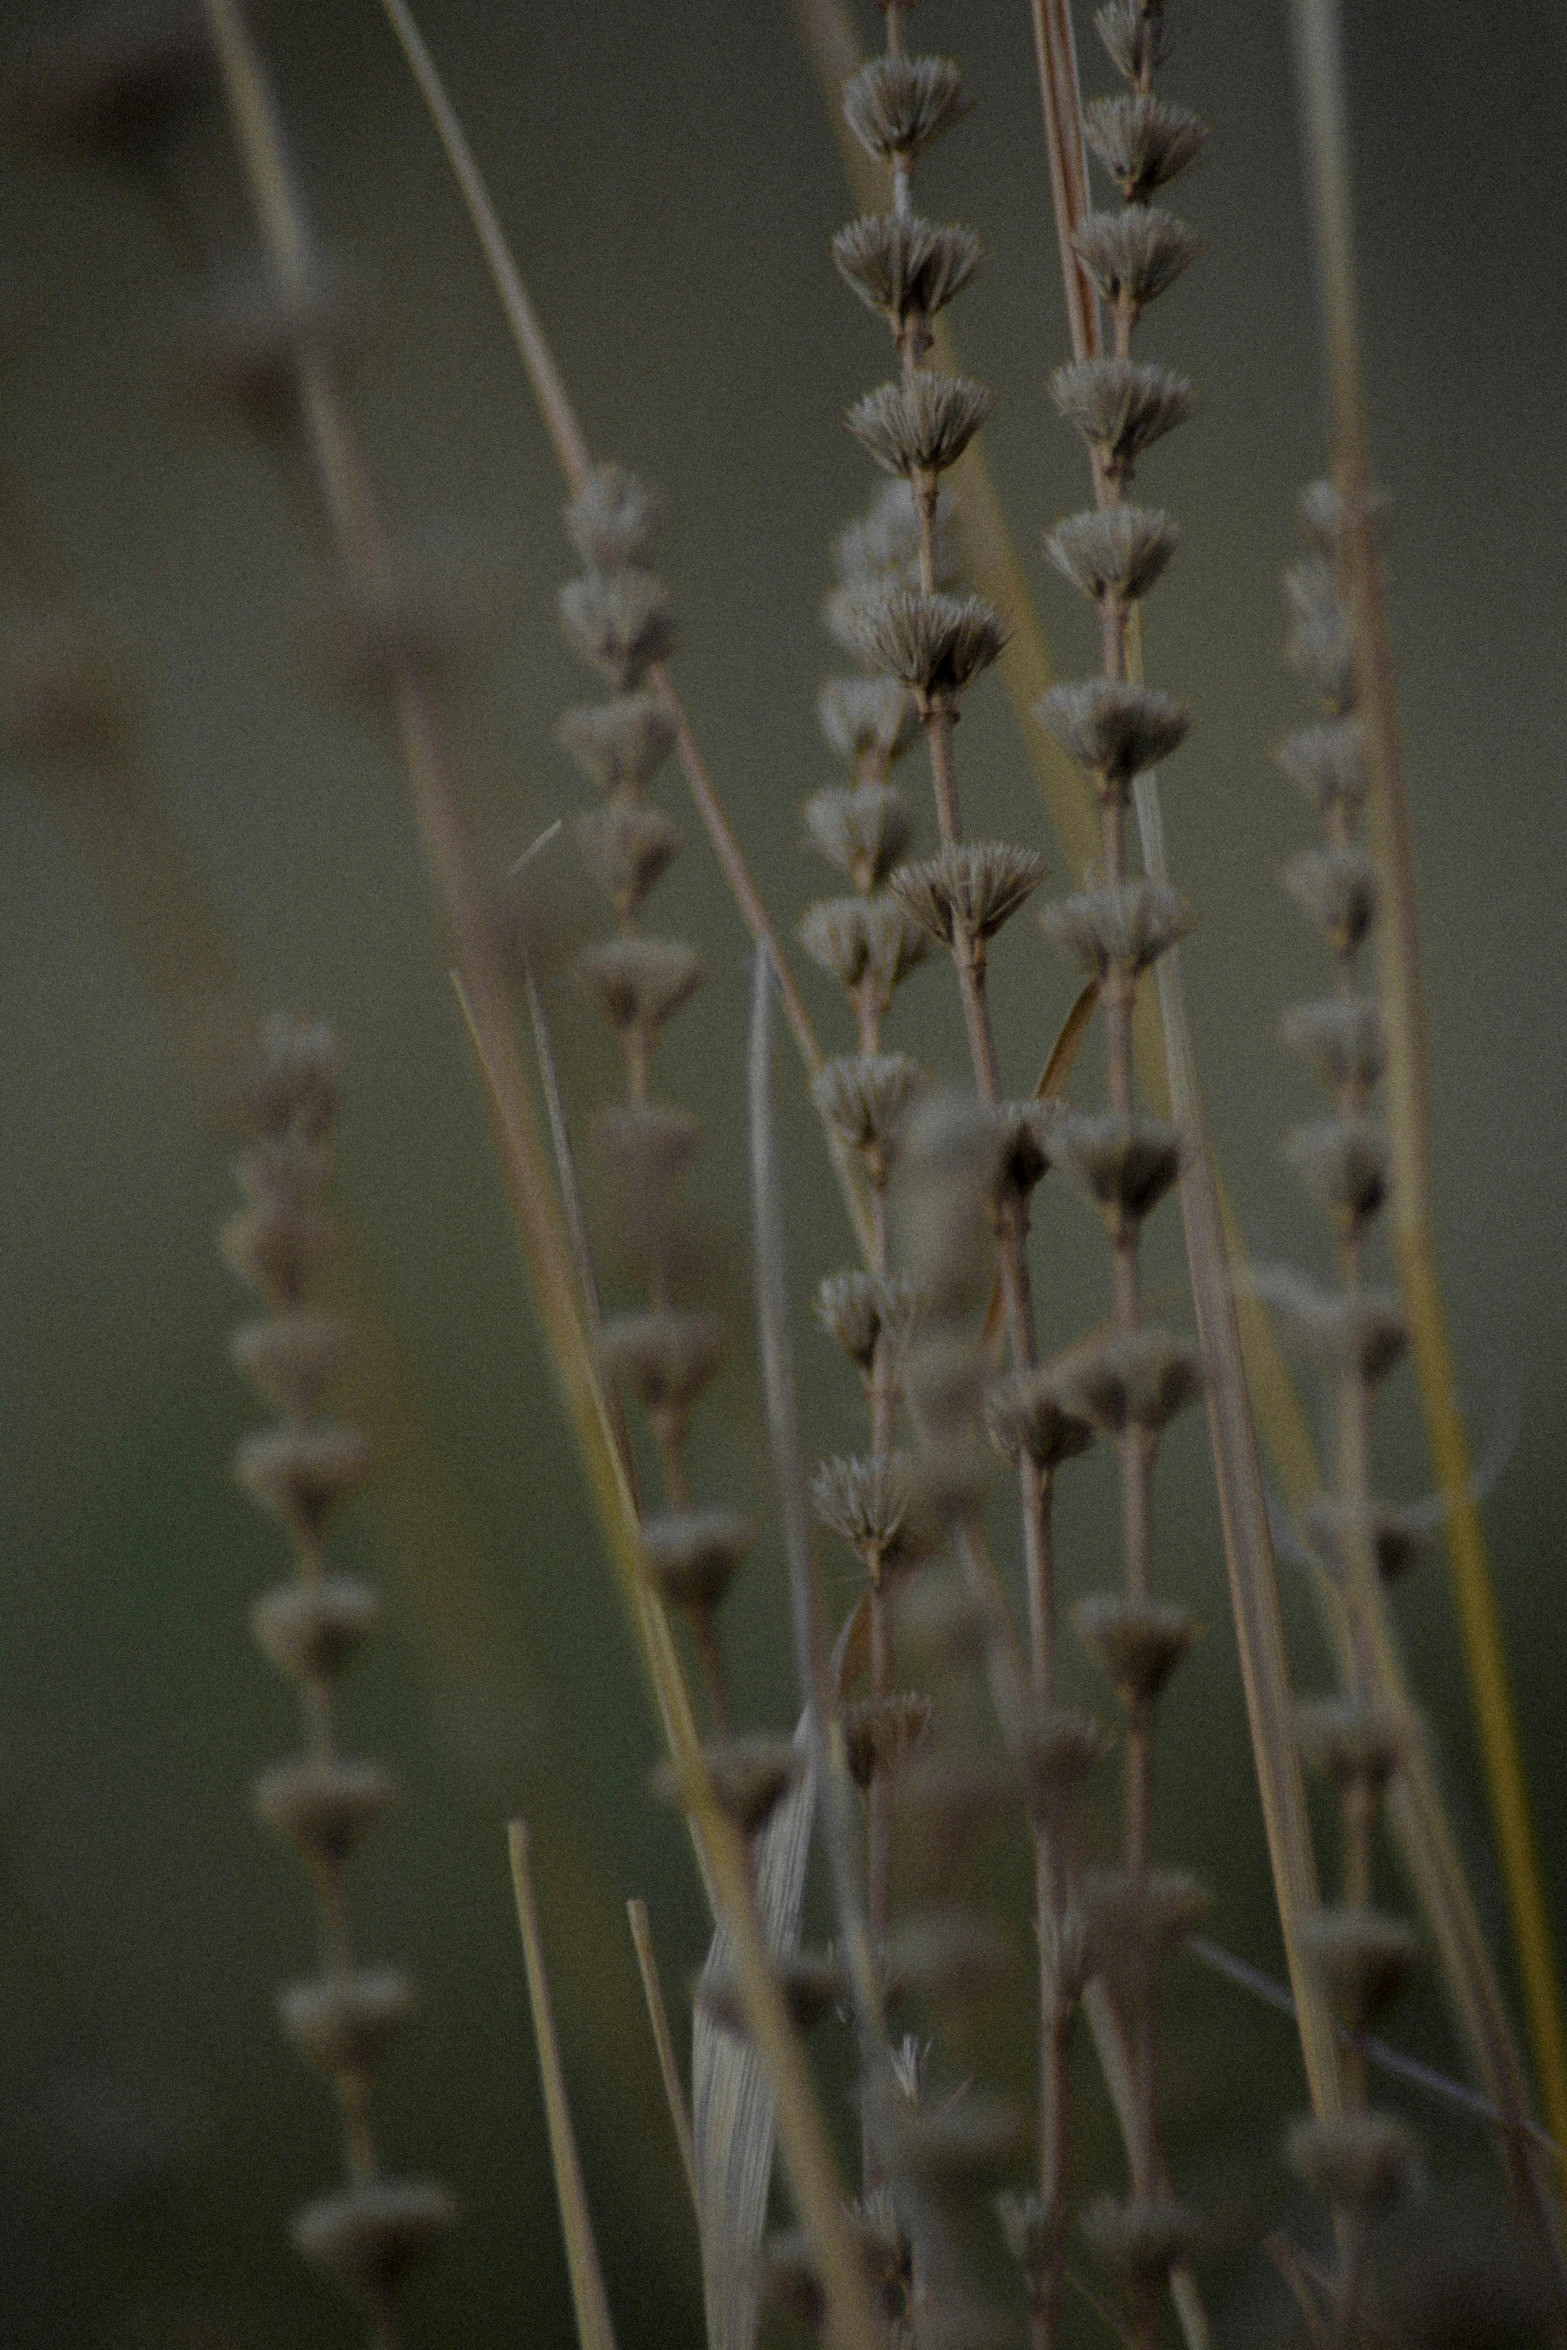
(668, 175)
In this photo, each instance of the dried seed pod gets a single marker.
(694, 1555)
(936, 644)
(637, 984)
(811, 1982)
(961, 2143)
(620, 745)
(649, 1144)
(866, 1502)
(278, 1250)
(895, 945)
(969, 890)
(880, 1733)
(867, 718)
(1116, 731)
(1137, 1642)
(1337, 888)
(896, 106)
(301, 1474)
(866, 1098)
(947, 1954)
(1363, 2163)
(749, 1778)
(1143, 141)
(1133, 35)
(289, 1084)
(1332, 1529)
(622, 624)
(1114, 557)
(1136, 1918)
(1134, 254)
(1139, 1381)
(1343, 1163)
(1123, 929)
(920, 428)
(1340, 1037)
(1059, 1750)
(1320, 515)
(882, 546)
(614, 520)
(664, 1358)
(1023, 1131)
(863, 831)
(325, 1807)
(1121, 407)
(1327, 764)
(1124, 1161)
(291, 1358)
(1317, 646)
(1359, 1332)
(627, 849)
(370, 2234)
(1026, 1414)
(311, 1630)
(849, 1310)
(345, 2023)
(833, 933)
(1364, 1959)
(1140, 2239)
(905, 269)
(1356, 1742)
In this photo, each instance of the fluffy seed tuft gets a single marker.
(971, 889)
(312, 1630)
(863, 830)
(694, 1555)
(613, 521)
(1143, 141)
(905, 269)
(619, 745)
(1140, 1381)
(622, 624)
(1326, 763)
(867, 718)
(1136, 1642)
(1123, 929)
(1115, 730)
(936, 644)
(1337, 889)
(637, 984)
(1122, 1159)
(1026, 1415)
(370, 2234)
(1363, 2163)
(920, 428)
(1134, 254)
(896, 106)
(1121, 407)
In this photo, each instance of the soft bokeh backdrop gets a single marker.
(670, 180)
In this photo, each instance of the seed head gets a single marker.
(1343, 1163)
(649, 1144)
(863, 830)
(613, 521)
(1115, 730)
(1121, 407)
(345, 2023)
(866, 1097)
(749, 1778)
(849, 1310)
(664, 1359)
(866, 1503)
(1140, 2239)
(1114, 557)
(905, 269)
(1359, 1332)
(619, 745)
(1142, 141)
(1141, 1381)
(1364, 1959)
(1136, 1918)
(1027, 1416)
(896, 106)
(1134, 38)
(627, 849)
(920, 428)
(1326, 763)
(370, 2234)
(639, 983)
(1120, 1158)
(881, 1733)
(1337, 888)
(694, 1555)
(622, 623)
(936, 644)
(1317, 644)
(867, 718)
(1121, 929)
(311, 1630)
(1136, 1642)
(1363, 2163)
(1134, 254)
(301, 1474)
(811, 1981)
(325, 1807)
(291, 1358)
(1356, 1742)
(1024, 1131)
(967, 892)
(1335, 1530)
(1340, 1037)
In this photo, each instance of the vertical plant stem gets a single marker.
(594, 2329)
(1319, 66)
(663, 2043)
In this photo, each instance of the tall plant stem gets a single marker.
(1319, 66)
(355, 524)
